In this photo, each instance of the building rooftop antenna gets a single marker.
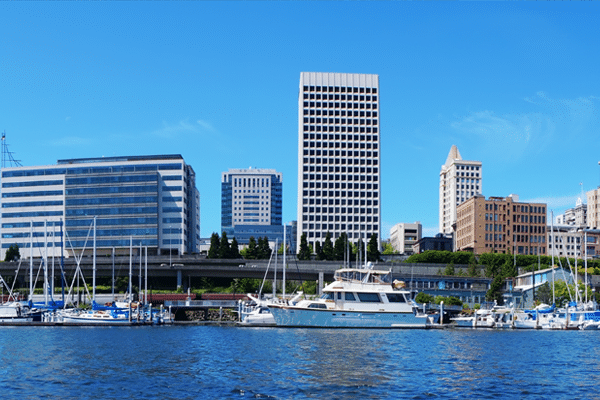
(7, 156)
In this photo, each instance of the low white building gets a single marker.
(404, 235)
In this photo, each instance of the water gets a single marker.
(210, 362)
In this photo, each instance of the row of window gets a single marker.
(337, 137)
(337, 161)
(32, 204)
(150, 242)
(26, 244)
(356, 129)
(33, 194)
(358, 228)
(337, 89)
(337, 177)
(339, 218)
(90, 170)
(114, 232)
(356, 210)
(111, 211)
(324, 104)
(112, 221)
(111, 200)
(112, 190)
(343, 97)
(338, 169)
(337, 145)
(33, 214)
(31, 183)
(342, 121)
(99, 180)
(14, 225)
(338, 201)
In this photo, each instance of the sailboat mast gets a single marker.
(553, 248)
(130, 264)
(45, 263)
(283, 278)
(30, 260)
(94, 265)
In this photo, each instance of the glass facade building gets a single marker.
(252, 204)
(150, 200)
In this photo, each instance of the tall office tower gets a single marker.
(339, 172)
(251, 204)
(459, 181)
(150, 200)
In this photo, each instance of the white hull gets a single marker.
(316, 318)
(96, 319)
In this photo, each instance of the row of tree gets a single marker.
(221, 248)
(342, 250)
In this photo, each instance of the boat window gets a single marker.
(339, 295)
(327, 296)
(369, 297)
(396, 298)
(350, 296)
(317, 305)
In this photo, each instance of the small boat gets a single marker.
(15, 313)
(482, 318)
(94, 317)
(357, 298)
(256, 313)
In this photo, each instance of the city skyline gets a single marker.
(511, 85)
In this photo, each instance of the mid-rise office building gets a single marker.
(460, 180)
(148, 200)
(339, 170)
(404, 235)
(501, 225)
(252, 204)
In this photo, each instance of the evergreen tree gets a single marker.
(251, 250)
(264, 250)
(373, 253)
(213, 251)
(327, 248)
(12, 254)
(359, 249)
(318, 251)
(339, 249)
(235, 249)
(304, 251)
(224, 248)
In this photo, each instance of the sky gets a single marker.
(515, 85)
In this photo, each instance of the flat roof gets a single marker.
(120, 159)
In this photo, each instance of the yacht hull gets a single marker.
(317, 318)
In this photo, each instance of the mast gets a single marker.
(585, 263)
(553, 248)
(130, 264)
(45, 261)
(283, 278)
(146, 273)
(94, 265)
(30, 260)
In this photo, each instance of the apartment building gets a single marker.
(404, 235)
(501, 225)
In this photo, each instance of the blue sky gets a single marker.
(515, 85)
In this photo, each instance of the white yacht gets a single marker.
(256, 313)
(15, 313)
(358, 298)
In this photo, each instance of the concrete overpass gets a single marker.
(184, 267)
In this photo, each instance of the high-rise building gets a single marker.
(404, 235)
(501, 225)
(593, 209)
(339, 168)
(459, 181)
(150, 200)
(251, 204)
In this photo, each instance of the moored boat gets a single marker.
(358, 298)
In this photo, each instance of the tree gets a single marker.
(304, 252)
(213, 251)
(224, 248)
(235, 249)
(389, 249)
(318, 251)
(450, 270)
(328, 248)
(12, 254)
(373, 252)
(264, 250)
(252, 250)
(423, 297)
(339, 249)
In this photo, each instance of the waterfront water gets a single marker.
(210, 362)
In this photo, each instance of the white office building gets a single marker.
(404, 235)
(151, 201)
(459, 181)
(339, 166)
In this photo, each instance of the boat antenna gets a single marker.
(7, 156)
